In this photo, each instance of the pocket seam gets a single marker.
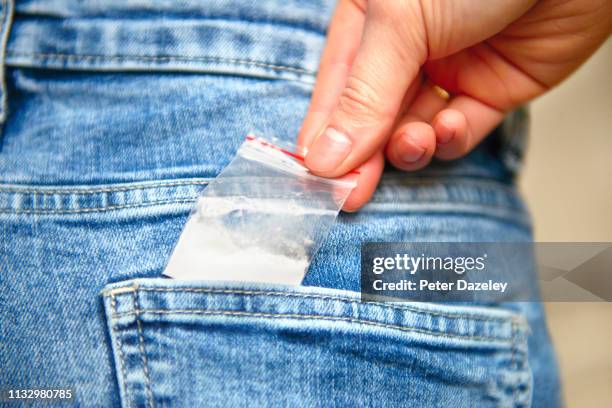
(95, 190)
(143, 353)
(512, 319)
(155, 59)
(237, 313)
(520, 364)
(119, 346)
(101, 209)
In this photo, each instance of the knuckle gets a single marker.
(361, 100)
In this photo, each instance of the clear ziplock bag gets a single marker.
(261, 220)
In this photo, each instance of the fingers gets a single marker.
(343, 40)
(463, 125)
(369, 176)
(456, 128)
(433, 127)
(372, 95)
(413, 142)
(412, 146)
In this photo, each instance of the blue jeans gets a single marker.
(116, 116)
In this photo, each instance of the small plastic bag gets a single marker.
(261, 220)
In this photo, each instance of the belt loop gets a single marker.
(6, 18)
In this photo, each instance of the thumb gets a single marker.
(391, 52)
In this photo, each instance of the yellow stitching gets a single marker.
(329, 297)
(120, 350)
(514, 363)
(377, 200)
(169, 58)
(27, 190)
(122, 289)
(119, 290)
(143, 353)
(391, 181)
(477, 206)
(99, 209)
(313, 317)
(518, 364)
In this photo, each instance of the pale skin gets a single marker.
(374, 97)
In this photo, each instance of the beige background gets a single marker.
(567, 182)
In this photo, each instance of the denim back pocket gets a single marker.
(178, 343)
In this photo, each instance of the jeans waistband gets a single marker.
(271, 38)
(395, 194)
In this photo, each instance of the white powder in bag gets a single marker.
(206, 251)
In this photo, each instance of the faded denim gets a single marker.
(118, 114)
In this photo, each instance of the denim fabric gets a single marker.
(288, 346)
(118, 115)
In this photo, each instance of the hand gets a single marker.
(374, 96)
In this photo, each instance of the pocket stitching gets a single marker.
(308, 317)
(143, 354)
(169, 58)
(517, 365)
(96, 190)
(512, 319)
(101, 209)
(119, 346)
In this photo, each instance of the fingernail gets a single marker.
(328, 151)
(408, 150)
(444, 133)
